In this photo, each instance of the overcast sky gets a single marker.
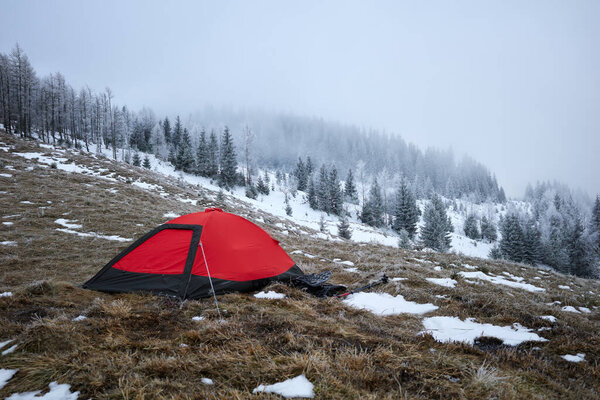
(515, 84)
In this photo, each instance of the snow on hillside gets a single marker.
(302, 214)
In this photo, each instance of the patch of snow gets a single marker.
(6, 375)
(294, 387)
(386, 304)
(79, 318)
(453, 329)
(441, 296)
(579, 357)
(469, 266)
(8, 243)
(3, 175)
(147, 186)
(339, 261)
(565, 287)
(115, 238)
(10, 349)
(570, 309)
(553, 303)
(207, 381)
(498, 280)
(437, 268)
(398, 279)
(446, 282)
(355, 270)
(2, 344)
(6, 294)
(183, 345)
(550, 318)
(26, 202)
(12, 216)
(8, 223)
(269, 295)
(171, 215)
(57, 392)
(68, 223)
(198, 318)
(585, 310)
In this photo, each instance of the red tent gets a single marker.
(182, 257)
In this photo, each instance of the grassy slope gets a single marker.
(130, 345)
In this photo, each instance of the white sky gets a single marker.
(515, 84)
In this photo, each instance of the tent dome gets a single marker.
(178, 257)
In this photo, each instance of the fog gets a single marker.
(516, 84)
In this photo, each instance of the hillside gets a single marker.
(65, 214)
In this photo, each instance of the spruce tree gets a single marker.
(251, 191)
(309, 167)
(595, 227)
(344, 227)
(213, 156)
(177, 132)
(301, 175)
(227, 161)
(166, 126)
(350, 192)
(555, 253)
(406, 212)
(471, 229)
(437, 226)
(323, 190)
(488, 229)
(288, 208)
(261, 186)
(336, 200)
(511, 244)
(312, 195)
(372, 213)
(404, 241)
(147, 162)
(185, 156)
(202, 156)
(136, 160)
(532, 244)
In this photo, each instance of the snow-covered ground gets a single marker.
(386, 304)
(293, 387)
(453, 329)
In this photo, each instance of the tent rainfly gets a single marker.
(198, 255)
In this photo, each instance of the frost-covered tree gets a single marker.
(227, 161)
(136, 160)
(406, 212)
(251, 191)
(213, 156)
(147, 162)
(404, 241)
(532, 243)
(301, 175)
(350, 192)
(177, 133)
(437, 226)
(202, 156)
(344, 227)
(488, 229)
(470, 227)
(372, 212)
(323, 190)
(262, 187)
(595, 227)
(511, 244)
(166, 127)
(184, 160)
(312, 195)
(336, 200)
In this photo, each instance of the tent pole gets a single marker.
(211, 284)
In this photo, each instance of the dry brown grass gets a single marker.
(138, 346)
